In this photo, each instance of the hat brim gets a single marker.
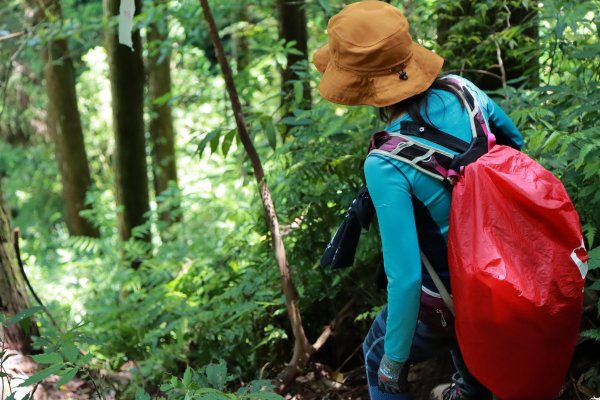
(343, 86)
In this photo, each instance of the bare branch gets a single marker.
(330, 329)
(478, 71)
(501, 63)
(10, 36)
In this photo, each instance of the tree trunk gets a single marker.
(64, 122)
(127, 88)
(495, 64)
(164, 166)
(13, 293)
(292, 27)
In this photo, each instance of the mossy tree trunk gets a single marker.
(127, 88)
(13, 293)
(162, 134)
(292, 27)
(64, 122)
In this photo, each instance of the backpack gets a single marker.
(516, 255)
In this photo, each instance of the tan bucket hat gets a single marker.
(371, 58)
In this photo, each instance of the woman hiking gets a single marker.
(371, 59)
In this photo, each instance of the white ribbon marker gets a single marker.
(126, 12)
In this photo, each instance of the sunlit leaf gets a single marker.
(40, 376)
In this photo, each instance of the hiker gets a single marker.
(371, 59)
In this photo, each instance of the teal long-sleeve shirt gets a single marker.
(413, 211)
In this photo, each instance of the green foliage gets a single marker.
(60, 356)
(209, 383)
(209, 288)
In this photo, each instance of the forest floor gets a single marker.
(317, 383)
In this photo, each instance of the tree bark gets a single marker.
(64, 122)
(495, 65)
(13, 293)
(292, 27)
(302, 347)
(162, 134)
(127, 89)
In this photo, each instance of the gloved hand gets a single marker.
(392, 376)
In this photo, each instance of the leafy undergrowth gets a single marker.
(318, 382)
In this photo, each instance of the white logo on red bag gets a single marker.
(580, 258)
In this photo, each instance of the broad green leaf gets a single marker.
(552, 141)
(70, 351)
(212, 394)
(271, 134)
(298, 92)
(216, 374)
(208, 138)
(187, 377)
(85, 359)
(227, 140)
(293, 121)
(166, 387)
(265, 396)
(140, 394)
(214, 143)
(40, 376)
(23, 314)
(594, 258)
(66, 376)
(49, 358)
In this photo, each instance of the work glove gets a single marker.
(392, 376)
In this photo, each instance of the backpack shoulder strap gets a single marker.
(434, 135)
(427, 159)
(432, 161)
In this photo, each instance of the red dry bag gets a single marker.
(517, 265)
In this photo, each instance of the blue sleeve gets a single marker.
(502, 127)
(391, 194)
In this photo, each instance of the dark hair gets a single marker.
(414, 104)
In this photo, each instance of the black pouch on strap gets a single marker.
(341, 249)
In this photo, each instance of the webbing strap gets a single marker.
(438, 283)
(434, 135)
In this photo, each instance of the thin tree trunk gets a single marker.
(127, 88)
(13, 293)
(292, 27)
(64, 122)
(164, 165)
(302, 348)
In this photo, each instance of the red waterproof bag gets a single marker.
(518, 266)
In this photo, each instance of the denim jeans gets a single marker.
(427, 343)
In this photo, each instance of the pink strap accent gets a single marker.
(390, 141)
(491, 139)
